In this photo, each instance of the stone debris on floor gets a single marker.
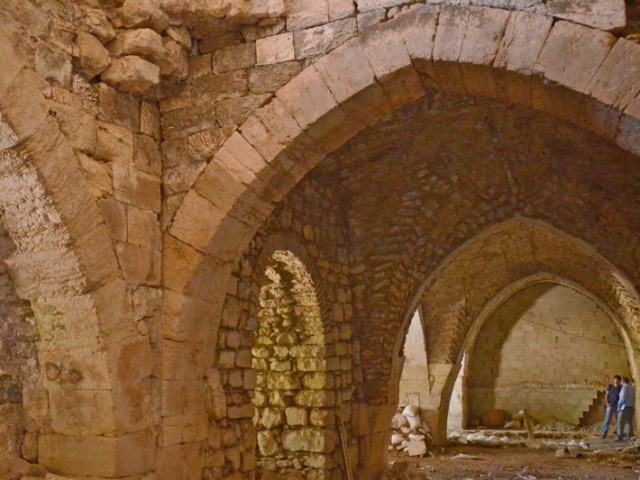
(409, 433)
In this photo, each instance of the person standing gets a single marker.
(626, 405)
(611, 403)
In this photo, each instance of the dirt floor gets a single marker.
(520, 464)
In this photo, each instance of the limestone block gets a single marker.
(388, 56)
(269, 78)
(93, 58)
(143, 42)
(601, 14)
(317, 380)
(118, 108)
(24, 106)
(351, 80)
(240, 411)
(275, 49)
(147, 155)
(180, 35)
(366, 5)
(129, 454)
(307, 97)
(141, 265)
(174, 63)
(311, 103)
(271, 417)
(315, 398)
(307, 13)
(79, 127)
(297, 416)
(98, 24)
(235, 111)
(267, 443)
(572, 54)
(309, 440)
(523, 40)
(116, 217)
(235, 57)
(196, 233)
(213, 88)
(339, 9)
(322, 417)
(320, 40)
(114, 144)
(283, 381)
(175, 307)
(132, 74)
(150, 121)
(182, 397)
(136, 188)
(485, 29)
(144, 13)
(346, 71)
(452, 25)
(98, 174)
(81, 412)
(53, 64)
(189, 467)
(616, 83)
(418, 31)
(371, 18)
(143, 227)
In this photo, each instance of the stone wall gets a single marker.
(116, 115)
(548, 349)
(283, 396)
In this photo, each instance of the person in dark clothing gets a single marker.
(611, 403)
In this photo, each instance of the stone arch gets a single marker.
(64, 265)
(515, 57)
(514, 253)
(276, 381)
(290, 321)
(630, 352)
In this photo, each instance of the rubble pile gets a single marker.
(409, 433)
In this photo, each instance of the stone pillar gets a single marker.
(372, 426)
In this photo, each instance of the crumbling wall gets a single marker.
(548, 349)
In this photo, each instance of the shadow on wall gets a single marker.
(548, 349)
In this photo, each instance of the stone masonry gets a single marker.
(217, 218)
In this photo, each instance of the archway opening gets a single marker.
(548, 349)
(294, 397)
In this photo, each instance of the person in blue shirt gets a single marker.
(611, 403)
(626, 405)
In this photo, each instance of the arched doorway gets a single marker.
(549, 349)
(294, 396)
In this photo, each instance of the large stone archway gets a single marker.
(504, 259)
(86, 397)
(514, 57)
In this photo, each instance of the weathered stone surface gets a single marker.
(275, 49)
(309, 440)
(92, 56)
(307, 13)
(143, 42)
(270, 78)
(601, 14)
(320, 40)
(132, 74)
(144, 13)
(53, 64)
(572, 54)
